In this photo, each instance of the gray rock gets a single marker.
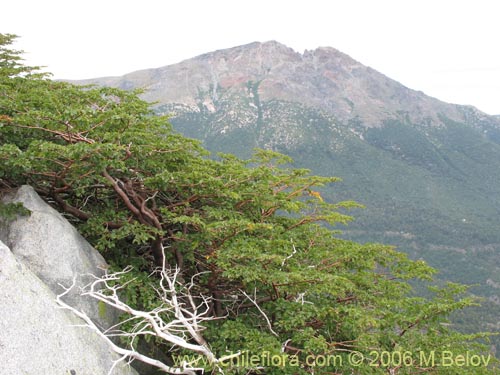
(38, 337)
(55, 252)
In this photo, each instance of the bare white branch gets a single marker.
(124, 352)
(300, 298)
(289, 256)
(178, 320)
(254, 301)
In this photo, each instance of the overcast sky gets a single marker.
(447, 49)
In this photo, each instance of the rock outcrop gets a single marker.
(54, 250)
(38, 254)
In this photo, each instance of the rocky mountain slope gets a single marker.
(324, 78)
(427, 171)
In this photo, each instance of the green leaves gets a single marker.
(10, 60)
(9, 211)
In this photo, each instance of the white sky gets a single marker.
(448, 49)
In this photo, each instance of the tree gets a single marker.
(274, 278)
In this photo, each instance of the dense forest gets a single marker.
(228, 260)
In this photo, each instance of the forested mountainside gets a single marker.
(427, 171)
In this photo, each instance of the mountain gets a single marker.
(426, 170)
(325, 79)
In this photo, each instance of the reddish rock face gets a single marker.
(324, 78)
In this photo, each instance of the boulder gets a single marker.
(39, 254)
(55, 252)
(37, 336)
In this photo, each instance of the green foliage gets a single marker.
(428, 190)
(9, 211)
(281, 282)
(11, 60)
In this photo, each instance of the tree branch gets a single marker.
(122, 195)
(262, 312)
(178, 320)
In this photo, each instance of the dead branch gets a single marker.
(178, 320)
(269, 325)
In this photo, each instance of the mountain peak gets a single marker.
(324, 78)
(326, 51)
(268, 46)
(253, 55)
